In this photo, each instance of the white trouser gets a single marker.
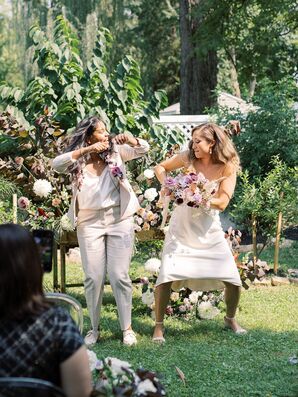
(106, 245)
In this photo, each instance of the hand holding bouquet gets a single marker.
(193, 190)
(190, 189)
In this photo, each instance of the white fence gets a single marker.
(185, 123)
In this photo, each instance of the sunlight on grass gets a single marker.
(214, 361)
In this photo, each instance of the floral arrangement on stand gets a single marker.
(46, 195)
(184, 303)
(114, 377)
(149, 215)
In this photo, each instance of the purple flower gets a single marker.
(116, 171)
(170, 182)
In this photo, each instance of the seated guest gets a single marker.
(37, 340)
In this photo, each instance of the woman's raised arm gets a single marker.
(173, 163)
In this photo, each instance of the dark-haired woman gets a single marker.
(36, 340)
(102, 208)
(196, 254)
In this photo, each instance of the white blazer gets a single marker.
(128, 201)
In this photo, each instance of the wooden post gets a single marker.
(14, 208)
(277, 238)
(254, 239)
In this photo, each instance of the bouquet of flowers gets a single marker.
(117, 378)
(191, 189)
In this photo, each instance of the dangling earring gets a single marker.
(210, 150)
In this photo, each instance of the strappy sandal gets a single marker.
(159, 339)
(239, 331)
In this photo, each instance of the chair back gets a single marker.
(71, 304)
(28, 387)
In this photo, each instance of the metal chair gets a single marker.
(72, 305)
(28, 387)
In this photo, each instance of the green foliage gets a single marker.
(268, 313)
(70, 91)
(7, 189)
(269, 129)
(257, 38)
(265, 198)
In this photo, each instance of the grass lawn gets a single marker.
(215, 361)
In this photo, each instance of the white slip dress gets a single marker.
(196, 254)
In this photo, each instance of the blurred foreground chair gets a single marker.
(69, 303)
(28, 387)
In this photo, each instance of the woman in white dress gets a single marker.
(196, 254)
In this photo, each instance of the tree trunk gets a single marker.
(198, 73)
(252, 85)
(233, 73)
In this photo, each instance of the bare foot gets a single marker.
(232, 324)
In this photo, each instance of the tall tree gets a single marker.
(198, 71)
(156, 35)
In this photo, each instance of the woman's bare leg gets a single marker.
(232, 296)
(162, 297)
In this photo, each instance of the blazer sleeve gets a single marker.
(62, 162)
(129, 153)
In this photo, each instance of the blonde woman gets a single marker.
(196, 254)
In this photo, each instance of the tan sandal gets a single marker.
(238, 331)
(159, 339)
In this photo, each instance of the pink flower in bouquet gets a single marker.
(56, 202)
(169, 310)
(23, 203)
(182, 309)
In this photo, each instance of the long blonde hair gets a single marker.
(223, 150)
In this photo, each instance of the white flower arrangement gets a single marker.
(148, 297)
(42, 188)
(152, 265)
(92, 358)
(117, 366)
(193, 297)
(150, 194)
(149, 174)
(65, 223)
(207, 311)
(116, 376)
(145, 386)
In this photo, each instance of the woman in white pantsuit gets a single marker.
(102, 208)
(196, 254)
